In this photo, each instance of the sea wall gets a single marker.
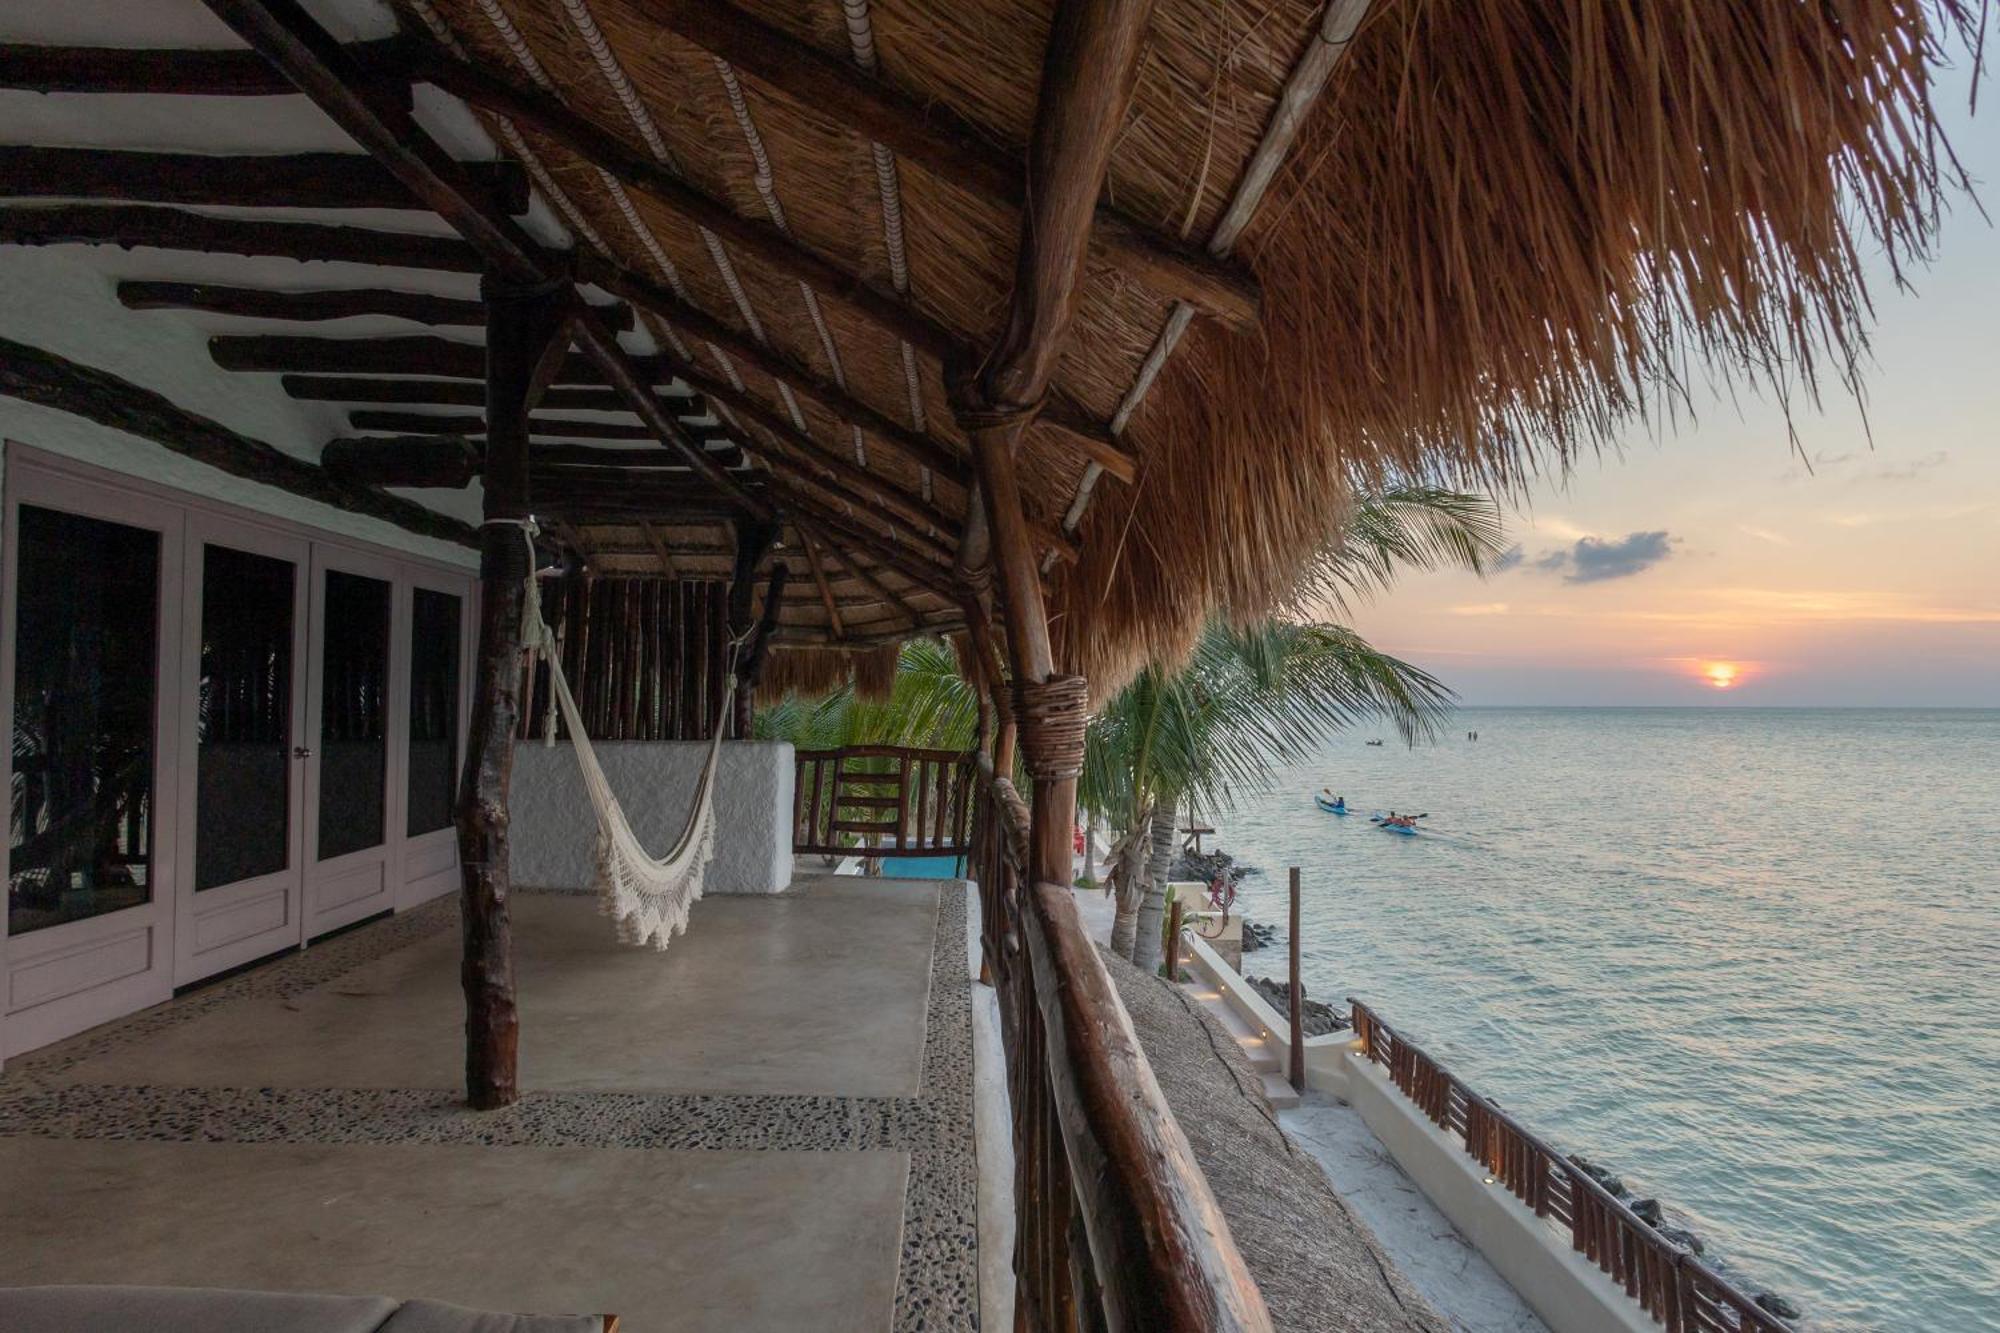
(1562, 1287)
(554, 831)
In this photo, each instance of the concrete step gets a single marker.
(1278, 1092)
(1263, 1058)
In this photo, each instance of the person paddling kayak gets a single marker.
(1333, 802)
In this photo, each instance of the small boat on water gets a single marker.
(1403, 824)
(1331, 805)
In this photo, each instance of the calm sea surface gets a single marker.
(1749, 959)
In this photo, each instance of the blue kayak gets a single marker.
(1382, 822)
(1330, 807)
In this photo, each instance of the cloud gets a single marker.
(1510, 558)
(1764, 535)
(1593, 560)
(1481, 609)
(1913, 468)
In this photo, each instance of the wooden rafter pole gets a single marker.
(933, 453)
(1160, 1253)
(659, 545)
(826, 597)
(936, 138)
(529, 106)
(873, 584)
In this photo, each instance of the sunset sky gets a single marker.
(1717, 556)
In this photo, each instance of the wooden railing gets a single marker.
(1681, 1292)
(888, 800)
(1115, 1227)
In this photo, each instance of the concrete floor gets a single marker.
(728, 1136)
(762, 995)
(668, 1240)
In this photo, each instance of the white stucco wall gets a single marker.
(64, 300)
(554, 831)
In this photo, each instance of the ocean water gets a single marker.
(1747, 958)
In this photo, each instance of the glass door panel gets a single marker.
(432, 776)
(86, 656)
(242, 834)
(353, 714)
(243, 727)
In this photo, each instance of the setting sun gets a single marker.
(1720, 675)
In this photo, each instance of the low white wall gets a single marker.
(1568, 1291)
(554, 831)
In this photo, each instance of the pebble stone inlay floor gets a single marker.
(937, 1286)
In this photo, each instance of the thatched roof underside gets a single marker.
(1506, 229)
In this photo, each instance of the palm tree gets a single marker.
(1252, 698)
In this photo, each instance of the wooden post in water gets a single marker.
(524, 327)
(1298, 1016)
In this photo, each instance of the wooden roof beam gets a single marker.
(204, 72)
(131, 225)
(412, 354)
(326, 304)
(453, 462)
(287, 36)
(421, 423)
(935, 137)
(269, 180)
(458, 393)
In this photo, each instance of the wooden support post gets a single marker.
(523, 328)
(1173, 966)
(750, 663)
(753, 542)
(1297, 997)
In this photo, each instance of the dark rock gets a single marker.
(1684, 1238)
(1317, 1018)
(1772, 1303)
(1597, 1173)
(1648, 1211)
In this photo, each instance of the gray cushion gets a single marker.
(437, 1317)
(88, 1309)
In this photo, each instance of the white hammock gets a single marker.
(649, 898)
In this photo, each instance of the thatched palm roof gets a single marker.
(1498, 231)
(1503, 223)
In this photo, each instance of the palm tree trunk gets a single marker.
(1131, 888)
(1153, 908)
(1090, 848)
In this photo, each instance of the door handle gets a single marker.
(302, 752)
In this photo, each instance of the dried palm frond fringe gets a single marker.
(814, 673)
(1509, 229)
